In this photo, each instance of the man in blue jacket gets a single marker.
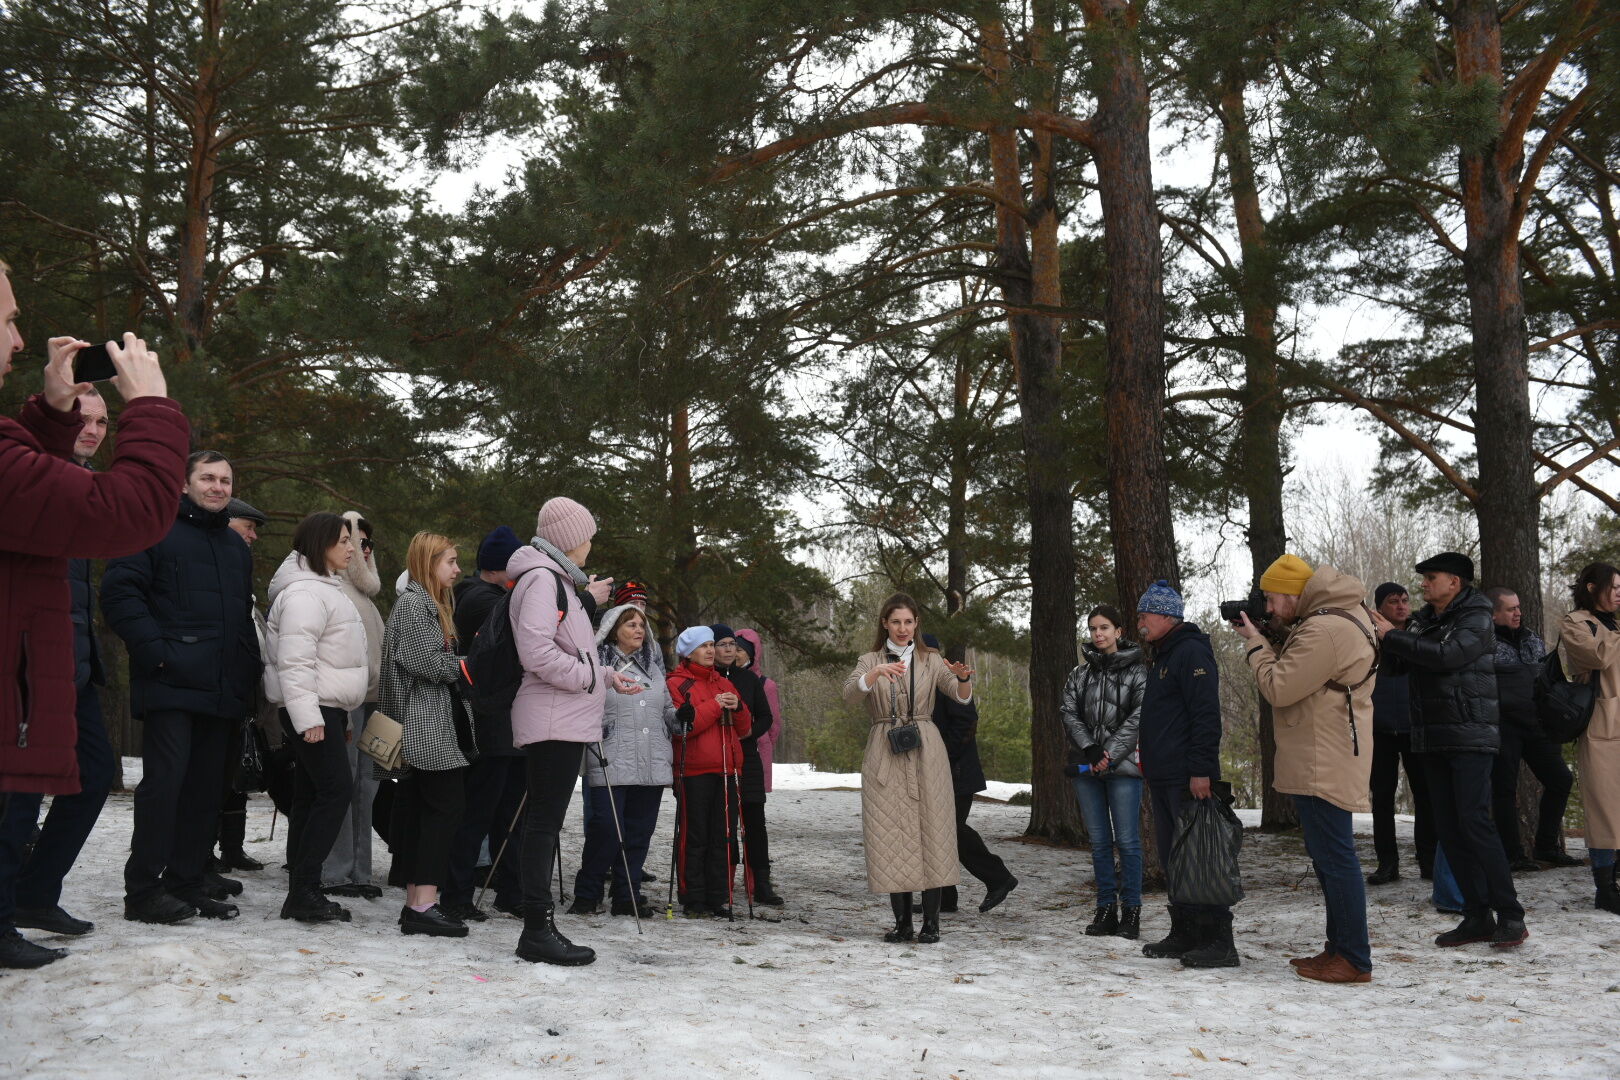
(185, 610)
(1181, 758)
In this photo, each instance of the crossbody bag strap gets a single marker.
(1349, 691)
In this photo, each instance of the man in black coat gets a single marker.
(496, 782)
(1180, 746)
(1449, 650)
(1392, 750)
(958, 724)
(751, 688)
(1519, 652)
(185, 610)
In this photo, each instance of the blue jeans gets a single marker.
(1446, 895)
(1112, 810)
(1601, 857)
(1331, 844)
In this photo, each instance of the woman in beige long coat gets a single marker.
(1591, 639)
(908, 808)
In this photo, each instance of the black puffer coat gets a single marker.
(475, 598)
(751, 689)
(87, 668)
(1519, 653)
(1451, 657)
(185, 609)
(1102, 706)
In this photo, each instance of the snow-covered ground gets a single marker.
(1017, 992)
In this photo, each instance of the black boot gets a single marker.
(306, 904)
(1105, 923)
(1215, 948)
(1477, 927)
(159, 908)
(763, 893)
(1175, 943)
(930, 928)
(1386, 873)
(901, 903)
(232, 835)
(1554, 857)
(17, 951)
(1130, 922)
(582, 906)
(219, 887)
(542, 944)
(1608, 895)
(52, 920)
(947, 901)
(638, 906)
(207, 906)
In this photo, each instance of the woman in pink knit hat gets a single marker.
(559, 705)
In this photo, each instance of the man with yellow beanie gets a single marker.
(1319, 683)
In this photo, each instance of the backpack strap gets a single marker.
(1349, 691)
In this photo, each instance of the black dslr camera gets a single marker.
(904, 738)
(1254, 607)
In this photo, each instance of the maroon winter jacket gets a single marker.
(52, 510)
(711, 748)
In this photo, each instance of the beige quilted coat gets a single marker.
(908, 808)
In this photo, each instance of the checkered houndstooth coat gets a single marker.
(418, 673)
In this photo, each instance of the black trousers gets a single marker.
(184, 757)
(1546, 761)
(494, 787)
(550, 769)
(1390, 752)
(427, 812)
(707, 806)
(36, 881)
(1168, 802)
(756, 842)
(1460, 789)
(322, 787)
(977, 859)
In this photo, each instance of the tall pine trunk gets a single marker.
(1260, 425)
(1134, 390)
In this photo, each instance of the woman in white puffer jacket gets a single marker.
(317, 669)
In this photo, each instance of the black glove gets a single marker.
(686, 716)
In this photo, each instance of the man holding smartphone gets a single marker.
(56, 510)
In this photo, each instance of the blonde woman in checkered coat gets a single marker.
(420, 687)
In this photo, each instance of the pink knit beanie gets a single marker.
(565, 524)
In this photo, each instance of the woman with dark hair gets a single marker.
(1102, 713)
(908, 805)
(1591, 640)
(316, 670)
(421, 677)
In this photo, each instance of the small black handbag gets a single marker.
(1563, 707)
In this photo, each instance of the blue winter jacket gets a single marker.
(1181, 710)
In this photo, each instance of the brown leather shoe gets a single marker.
(1312, 961)
(1335, 969)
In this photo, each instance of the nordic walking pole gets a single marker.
(725, 806)
(675, 835)
(624, 856)
(507, 839)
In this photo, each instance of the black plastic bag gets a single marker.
(1203, 863)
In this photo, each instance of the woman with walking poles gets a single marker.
(908, 805)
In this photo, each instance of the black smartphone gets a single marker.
(92, 364)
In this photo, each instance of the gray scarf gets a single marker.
(574, 573)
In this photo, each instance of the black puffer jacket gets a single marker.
(1102, 706)
(1518, 661)
(185, 609)
(1451, 657)
(751, 689)
(475, 598)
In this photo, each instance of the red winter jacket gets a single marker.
(703, 747)
(52, 510)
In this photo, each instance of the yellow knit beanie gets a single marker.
(1287, 576)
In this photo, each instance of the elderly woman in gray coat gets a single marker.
(626, 773)
(1102, 713)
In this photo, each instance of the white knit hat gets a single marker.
(691, 638)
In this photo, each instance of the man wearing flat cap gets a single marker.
(1449, 650)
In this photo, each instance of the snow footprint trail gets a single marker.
(1019, 992)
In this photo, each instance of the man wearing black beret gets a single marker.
(1449, 650)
